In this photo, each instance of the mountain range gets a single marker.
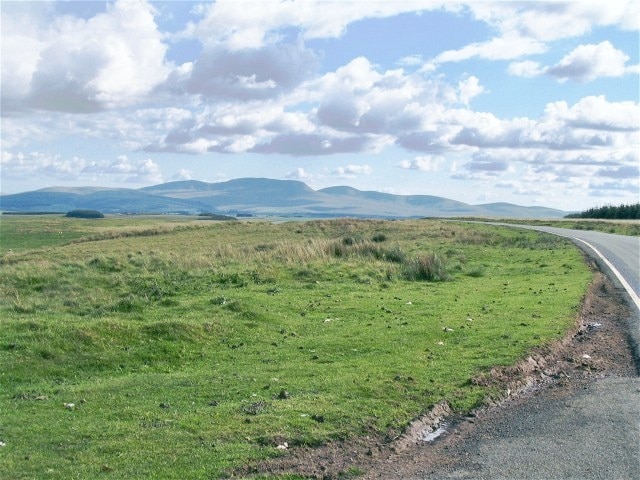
(258, 197)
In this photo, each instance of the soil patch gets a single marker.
(597, 347)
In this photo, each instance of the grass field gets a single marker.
(173, 348)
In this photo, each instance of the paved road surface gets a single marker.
(592, 433)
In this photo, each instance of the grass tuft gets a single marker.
(429, 268)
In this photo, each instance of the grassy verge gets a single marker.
(195, 351)
(619, 227)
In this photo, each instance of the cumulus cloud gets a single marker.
(588, 62)
(425, 163)
(299, 174)
(314, 144)
(550, 21)
(231, 24)
(583, 64)
(469, 88)
(596, 113)
(76, 65)
(231, 127)
(532, 172)
(359, 98)
(79, 169)
(526, 68)
(501, 48)
(592, 123)
(41, 163)
(356, 108)
(352, 171)
(125, 170)
(526, 28)
(249, 74)
(629, 171)
(182, 174)
(486, 164)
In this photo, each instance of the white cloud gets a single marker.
(359, 98)
(112, 59)
(625, 172)
(40, 164)
(426, 163)
(238, 25)
(231, 127)
(258, 73)
(592, 123)
(125, 170)
(356, 108)
(78, 169)
(183, 174)
(469, 88)
(352, 171)
(550, 21)
(588, 62)
(499, 48)
(299, 174)
(485, 165)
(526, 68)
(596, 113)
(526, 28)
(317, 144)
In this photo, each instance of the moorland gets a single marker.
(175, 347)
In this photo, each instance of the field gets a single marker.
(164, 347)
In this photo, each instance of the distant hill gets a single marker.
(259, 196)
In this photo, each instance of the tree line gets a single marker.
(620, 212)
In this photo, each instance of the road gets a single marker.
(590, 431)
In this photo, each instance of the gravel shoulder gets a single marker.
(569, 411)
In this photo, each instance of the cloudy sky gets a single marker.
(534, 103)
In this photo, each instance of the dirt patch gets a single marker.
(597, 347)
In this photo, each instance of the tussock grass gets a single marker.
(181, 343)
(431, 268)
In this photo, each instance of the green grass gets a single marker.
(197, 350)
(22, 232)
(619, 227)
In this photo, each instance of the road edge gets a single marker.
(632, 323)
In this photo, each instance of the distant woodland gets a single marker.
(621, 212)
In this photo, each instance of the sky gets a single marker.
(533, 103)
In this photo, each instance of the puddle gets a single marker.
(429, 435)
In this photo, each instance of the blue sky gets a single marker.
(534, 103)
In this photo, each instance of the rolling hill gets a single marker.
(258, 196)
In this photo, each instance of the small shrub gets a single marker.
(219, 301)
(131, 304)
(395, 255)
(351, 240)
(475, 271)
(430, 268)
(255, 408)
(84, 214)
(379, 238)
(232, 279)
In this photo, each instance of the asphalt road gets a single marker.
(589, 433)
